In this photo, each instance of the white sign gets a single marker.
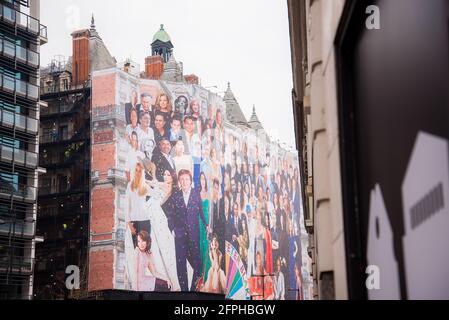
(381, 252)
(425, 196)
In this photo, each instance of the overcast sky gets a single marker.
(243, 42)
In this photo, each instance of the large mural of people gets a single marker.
(207, 206)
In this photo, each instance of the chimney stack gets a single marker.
(80, 56)
(154, 67)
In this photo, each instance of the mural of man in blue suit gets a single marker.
(187, 210)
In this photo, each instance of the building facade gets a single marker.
(85, 151)
(373, 195)
(63, 218)
(315, 113)
(21, 36)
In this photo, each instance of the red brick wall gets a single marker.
(154, 67)
(102, 213)
(100, 270)
(103, 90)
(80, 56)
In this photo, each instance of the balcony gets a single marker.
(23, 22)
(57, 109)
(19, 121)
(19, 87)
(18, 53)
(16, 264)
(18, 156)
(57, 88)
(43, 34)
(53, 137)
(18, 228)
(17, 191)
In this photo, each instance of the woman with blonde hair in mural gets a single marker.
(216, 278)
(136, 219)
(182, 160)
(164, 107)
(162, 239)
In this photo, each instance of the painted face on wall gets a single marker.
(179, 148)
(134, 118)
(181, 104)
(189, 125)
(145, 121)
(159, 122)
(141, 244)
(195, 106)
(163, 102)
(146, 103)
(185, 182)
(176, 125)
(168, 177)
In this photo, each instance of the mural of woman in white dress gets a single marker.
(163, 242)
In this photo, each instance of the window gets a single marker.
(65, 84)
(64, 132)
(10, 142)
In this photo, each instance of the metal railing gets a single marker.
(43, 31)
(17, 190)
(18, 156)
(22, 88)
(75, 184)
(21, 264)
(19, 121)
(56, 109)
(18, 228)
(22, 21)
(57, 87)
(19, 53)
(54, 137)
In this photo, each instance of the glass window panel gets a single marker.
(19, 156)
(22, 20)
(9, 83)
(6, 153)
(33, 58)
(21, 53)
(21, 87)
(32, 125)
(9, 49)
(9, 14)
(8, 117)
(33, 91)
(33, 25)
(20, 121)
(31, 159)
